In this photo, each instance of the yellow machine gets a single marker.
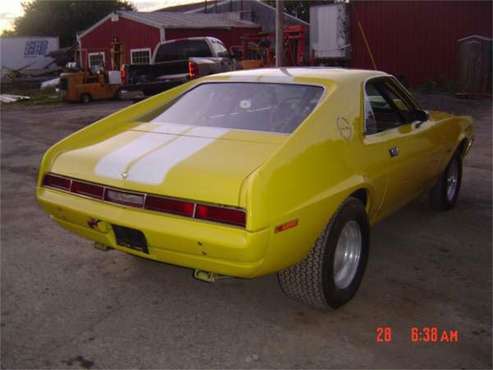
(85, 86)
(253, 172)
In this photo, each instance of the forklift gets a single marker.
(86, 85)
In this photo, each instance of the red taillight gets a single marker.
(58, 182)
(123, 74)
(84, 188)
(177, 207)
(220, 214)
(193, 70)
(127, 199)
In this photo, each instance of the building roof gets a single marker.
(186, 7)
(213, 5)
(186, 20)
(163, 20)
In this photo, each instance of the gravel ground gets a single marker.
(65, 304)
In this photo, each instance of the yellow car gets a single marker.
(255, 172)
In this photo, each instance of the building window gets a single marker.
(96, 60)
(140, 56)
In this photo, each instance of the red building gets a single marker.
(416, 39)
(138, 33)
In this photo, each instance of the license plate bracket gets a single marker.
(130, 238)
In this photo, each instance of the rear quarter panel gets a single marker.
(309, 177)
(448, 134)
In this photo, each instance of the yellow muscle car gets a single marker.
(253, 172)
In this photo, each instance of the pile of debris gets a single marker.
(9, 98)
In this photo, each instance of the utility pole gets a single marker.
(279, 32)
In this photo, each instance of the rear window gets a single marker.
(248, 106)
(182, 49)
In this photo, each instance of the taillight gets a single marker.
(193, 70)
(123, 74)
(225, 215)
(84, 188)
(58, 182)
(127, 199)
(219, 214)
(177, 207)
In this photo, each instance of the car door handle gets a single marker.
(394, 151)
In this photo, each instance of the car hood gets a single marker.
(192, 162)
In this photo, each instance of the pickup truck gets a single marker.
(175, 62)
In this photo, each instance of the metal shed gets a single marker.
(474, 65)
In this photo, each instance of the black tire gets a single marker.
(312, 281)
(442, 196)
(85, 98)
(117, 95)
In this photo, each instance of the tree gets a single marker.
(62, 18)
(301, 8)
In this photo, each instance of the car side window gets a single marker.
(400, 100)
(386, 107)
(380, 114)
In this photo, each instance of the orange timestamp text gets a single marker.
(425, 334)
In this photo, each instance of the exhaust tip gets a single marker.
(207, 276)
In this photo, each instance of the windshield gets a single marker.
(249, 106)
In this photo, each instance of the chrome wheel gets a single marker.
(452, 180)
(347, 254)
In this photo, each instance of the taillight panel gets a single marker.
(125, 198)
(167, 205)
(57, 182)
(90, 190)
(221, 214)
(214, 213)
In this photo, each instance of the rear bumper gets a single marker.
(185, 242)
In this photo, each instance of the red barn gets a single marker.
(417, 40)
(138, 33)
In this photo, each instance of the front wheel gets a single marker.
(331, 273)
(443, 196)
(85, 98)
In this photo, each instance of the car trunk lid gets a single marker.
(206, 164)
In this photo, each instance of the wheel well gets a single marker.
(361, 194)
(462, 147)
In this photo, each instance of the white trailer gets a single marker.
(329, 32)
(26, 53)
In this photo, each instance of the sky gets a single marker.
(9, 9)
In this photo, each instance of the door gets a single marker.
(394, 144)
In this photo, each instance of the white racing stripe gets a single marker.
(153, 168)
(116, 162)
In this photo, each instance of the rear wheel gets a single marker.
(331, 273)
(117, 95)
(443, 196)
(85, 98)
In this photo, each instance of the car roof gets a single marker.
(299, 74)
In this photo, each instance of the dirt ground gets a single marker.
(65, 304)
